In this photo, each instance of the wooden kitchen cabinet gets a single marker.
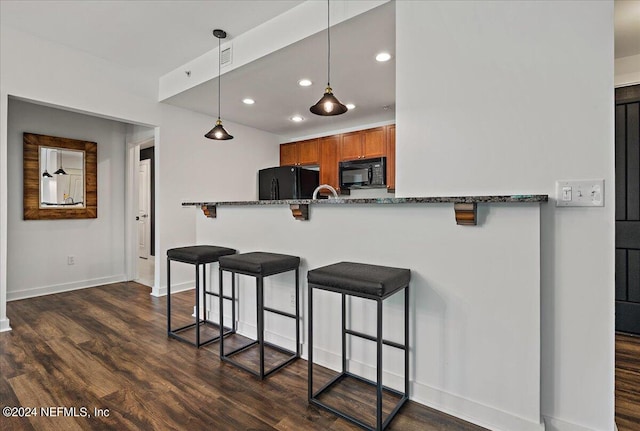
(300, 153)
(363, 144)
(329, 162)
(328, 151)
(391, 157)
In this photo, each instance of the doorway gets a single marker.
(627, 174)
(145, 218)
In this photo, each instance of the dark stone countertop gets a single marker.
(415, 200)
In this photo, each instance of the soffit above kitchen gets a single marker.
(272, 80)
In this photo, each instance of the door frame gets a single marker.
(131, 211)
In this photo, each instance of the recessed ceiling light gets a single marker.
(350, 106)
(304, 82)
(248, 101)
(383, 56)
(297, 118)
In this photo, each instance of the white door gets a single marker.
(144, 205)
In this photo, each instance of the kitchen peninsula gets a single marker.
(475, 292)
(465, 207)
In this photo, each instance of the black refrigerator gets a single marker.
(287, 182)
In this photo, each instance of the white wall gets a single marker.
(97, 244)
(193, 168)
(38, 70)
(508, 97)
(474, 304)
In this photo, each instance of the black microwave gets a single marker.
(364, 173)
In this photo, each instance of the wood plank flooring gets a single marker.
(106, 348)
(627, 382)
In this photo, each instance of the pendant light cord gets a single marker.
(328, 48)
(219, 76)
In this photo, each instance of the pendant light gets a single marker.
(46, 174)
(328, 104)
(218, 133)
(60, 171)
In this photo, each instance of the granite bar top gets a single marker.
(415, 200)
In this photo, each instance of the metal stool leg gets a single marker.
(221, 307)
(406, 341)
(310, 350)
(168, 296)
(344, 333)
(379, 370)
(297, 314)
(260, 313)
(197, 306)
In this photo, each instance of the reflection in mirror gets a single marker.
(65, 188)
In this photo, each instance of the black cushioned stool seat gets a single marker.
(259, 265)
(360, 278)
(195, 255)
(198, 254)
(372, 282)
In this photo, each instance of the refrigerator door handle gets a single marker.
(274, 195)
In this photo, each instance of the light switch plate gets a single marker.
(580, 193)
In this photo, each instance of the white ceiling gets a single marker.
(153, 37)
(156, 37)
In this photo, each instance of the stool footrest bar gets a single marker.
(217, 295)
(372, 338)
(282, 313)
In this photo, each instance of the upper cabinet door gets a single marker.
(300, 153)
(351, 146)
(391, 157)
(308, 152)
(329, 162)
(289, 154)
(373, 143)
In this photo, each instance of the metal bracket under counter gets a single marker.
(465, 207)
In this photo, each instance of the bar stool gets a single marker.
(196, 255)
(261, 265)
(372, 282)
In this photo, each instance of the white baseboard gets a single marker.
(554, 424)
(471, 411)
(175, 288)
(4, 325)
(64, 287)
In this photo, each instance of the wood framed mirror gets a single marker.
(60, 178)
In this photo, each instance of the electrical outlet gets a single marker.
(71, 260)
(293, 300)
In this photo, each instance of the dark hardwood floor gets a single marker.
(106, 348)
(627, 382)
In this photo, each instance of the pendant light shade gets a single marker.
(60, 171)
(328, 104)
(218, 133)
